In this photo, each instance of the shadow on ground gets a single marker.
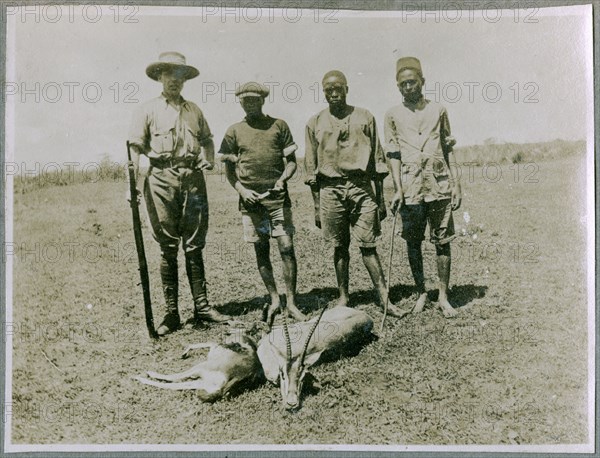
(461, 295)
(316, 298)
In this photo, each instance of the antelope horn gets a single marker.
(312, 330)
(288, 343)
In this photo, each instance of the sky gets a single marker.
(75, 76)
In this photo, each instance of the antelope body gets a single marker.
(336, 332)
(227, 366)
(283, 355)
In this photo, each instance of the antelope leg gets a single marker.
(192, 385)
(197, 346)
(194, 372)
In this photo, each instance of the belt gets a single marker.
(174, 163)
(332, 181)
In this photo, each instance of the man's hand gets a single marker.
(311, 181)
(279, 186)
(456, 196)
(397, 201)
(382, 210)
(450, 141)
(203, 164)
(248, 196)
(128, 195)
(231, 158)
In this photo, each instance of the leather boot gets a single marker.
(194, 265)
(168, 273)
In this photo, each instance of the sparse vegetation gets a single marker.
(511, 369)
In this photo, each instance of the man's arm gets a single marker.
(229, 150)
(448, 142)
(139, 141)
(310, 154)
(381, 169)
(207, 158)
(393, 153)
(248, 196)
(310, 167)
(288, 147)
(290, 169)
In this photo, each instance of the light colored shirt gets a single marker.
(340, 147)
(163, 128)
(417, 132)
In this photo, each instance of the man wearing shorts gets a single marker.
(343, 156)
(259, 153)
(419, 145)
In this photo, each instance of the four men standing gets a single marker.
(343, 156)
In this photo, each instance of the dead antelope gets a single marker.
(227, 367)
(288, 351)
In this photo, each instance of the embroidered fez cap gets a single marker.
(252, 89)
(408, 62)
(171, 61)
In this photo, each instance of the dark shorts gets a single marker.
(348, 207)
(263, 223)
(439, 216)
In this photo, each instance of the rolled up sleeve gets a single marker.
(139, 130)
(204, 133)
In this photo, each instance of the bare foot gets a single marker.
(295, 313)
(447, 309)
(269, 312)
(420, 304)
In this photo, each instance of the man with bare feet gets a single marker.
(343, 156)
(259, 153)
(419, 146)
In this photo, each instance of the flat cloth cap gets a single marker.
(252, 89)
(408, 62)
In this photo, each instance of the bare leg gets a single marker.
(290, 269)
(341, 260)
(265, 268)
(415, 259)
(443, 265)
(373, 265)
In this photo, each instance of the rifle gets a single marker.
(139, 245)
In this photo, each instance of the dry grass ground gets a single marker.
(512, 368)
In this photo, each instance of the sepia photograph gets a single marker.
(335, 227)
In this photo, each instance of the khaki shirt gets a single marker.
(341, 147)
(165, 129)
(417, 132)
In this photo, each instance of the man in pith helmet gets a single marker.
(173, 133)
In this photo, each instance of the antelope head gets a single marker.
(293, 369)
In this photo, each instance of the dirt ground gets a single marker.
(510, 369)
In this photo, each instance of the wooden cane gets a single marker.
(387, 300)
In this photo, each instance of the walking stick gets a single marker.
(389, 271)
(139, 245)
